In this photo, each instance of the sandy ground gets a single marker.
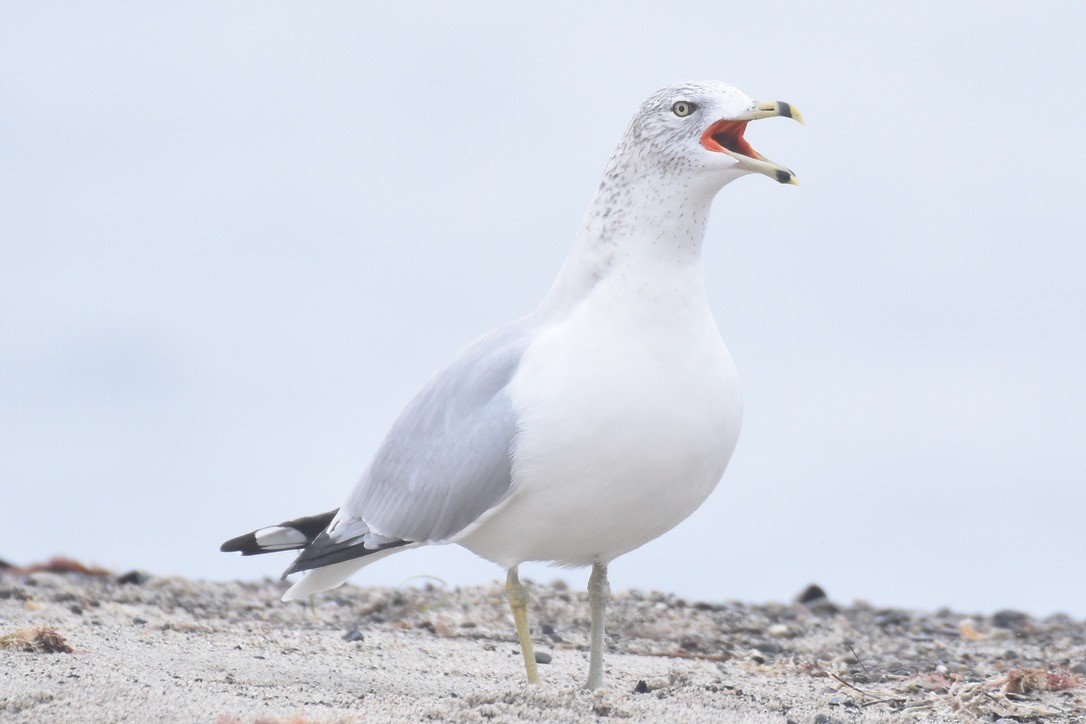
(168, 649)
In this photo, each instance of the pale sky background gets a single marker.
(238, 237)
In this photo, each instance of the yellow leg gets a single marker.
(599, 593)
(518, 601)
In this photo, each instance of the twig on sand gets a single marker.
(883, 697)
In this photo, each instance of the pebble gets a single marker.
(1010, 619)
(812, 593)
(890, 617)
(542, 657)
(353, 635)
(136, 578)
(815, 600)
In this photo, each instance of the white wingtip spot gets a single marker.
(277, 536)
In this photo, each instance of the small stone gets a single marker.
(812, 593)
(777, 630)
(139, 621)
(768, 647)
(968, 629)
(891, 617)
(353, 635)
(137, 578)
(542, 657)
(547, 629)
(815, 600)
(1010, 619)
(642, 687)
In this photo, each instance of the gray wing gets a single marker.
(446, 460)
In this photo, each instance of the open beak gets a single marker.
(726, 136)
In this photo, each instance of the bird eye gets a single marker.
(682, 109)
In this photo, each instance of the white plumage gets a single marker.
(596, 423)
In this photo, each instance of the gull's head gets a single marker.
(698, 129)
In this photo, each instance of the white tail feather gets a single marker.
(325, 577)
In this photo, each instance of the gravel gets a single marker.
(170, 649)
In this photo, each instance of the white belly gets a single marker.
(628, 412)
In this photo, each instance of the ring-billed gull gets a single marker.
(594, 424)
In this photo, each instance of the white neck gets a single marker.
(639, 224)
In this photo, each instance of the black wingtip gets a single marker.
(323, 551)
(309, 527)
(244, 544)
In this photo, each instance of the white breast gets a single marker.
(629, 411)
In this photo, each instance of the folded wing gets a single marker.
(444, 464)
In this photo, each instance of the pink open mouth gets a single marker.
(727, 135)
